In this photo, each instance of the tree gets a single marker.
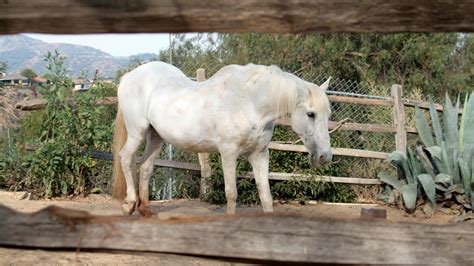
(425, 62)
(28, 73)
(430, 63)
(3, 66)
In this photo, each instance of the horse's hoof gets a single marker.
(145, 211)
(128, 208)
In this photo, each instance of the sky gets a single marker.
(114, 44)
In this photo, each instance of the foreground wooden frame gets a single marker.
(112, 16)
(257, 237)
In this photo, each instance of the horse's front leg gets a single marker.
(259, 161)
(229, 163)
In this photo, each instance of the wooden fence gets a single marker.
(399, 128)
(297, 16)
(254, 237)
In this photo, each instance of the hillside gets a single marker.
(20, 51)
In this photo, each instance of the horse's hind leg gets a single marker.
(205, 172)
(127, 157)
(153, 147)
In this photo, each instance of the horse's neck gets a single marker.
(279, 97)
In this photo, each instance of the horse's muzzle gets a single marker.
(320, 159)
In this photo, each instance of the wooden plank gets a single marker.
(277, 237)
(357, 126)
(422, 105)
(333, 179)
(206, 170)
(399, 118)
(37, 104)
(425, 105)
(272, 175)
(335, 151)
(359, 100)
(40, 103)
(373, 213)
(363, 127)
(33, 104)
(158, 162)
(107, 101)
(139, 16)
(178, 165)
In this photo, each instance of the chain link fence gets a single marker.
(352, 139)
(185, 182)
(364, 114)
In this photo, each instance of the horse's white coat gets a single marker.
(232, 113)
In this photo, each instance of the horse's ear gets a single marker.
(325, 85)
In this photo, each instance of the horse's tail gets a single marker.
(119, 187)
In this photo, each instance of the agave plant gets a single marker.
(441, 168)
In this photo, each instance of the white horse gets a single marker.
(233, 112)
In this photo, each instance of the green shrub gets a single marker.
(280, 161)
(11, 170)
(71, 127)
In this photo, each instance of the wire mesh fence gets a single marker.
(356, 113)
(351, 139)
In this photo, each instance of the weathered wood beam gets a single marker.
(358, 100)
(276, 237)
(40, 103)
(178, 165)
(30, 105)
(357, 126)
(399, 118)
(333, 179)
(158, 162)
(271, 175)
(336, 151)
(426, 105)
(114, 16)
(108, 156)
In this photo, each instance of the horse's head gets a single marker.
(310, 121)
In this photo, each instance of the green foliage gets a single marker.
(28, 73)
(3, 66)
(441, 170)
(11, 170)
(285, 190)
(312, 190)
(71, 126)
(432, 63)
(134, 63)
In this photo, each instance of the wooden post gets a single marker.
(201, 74)
(203, 157)
(399, 118)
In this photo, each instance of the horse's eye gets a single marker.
(310, 114)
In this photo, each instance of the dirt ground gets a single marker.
(104, 205)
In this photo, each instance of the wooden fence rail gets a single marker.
(276, 237)
(108, 16)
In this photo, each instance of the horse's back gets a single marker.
(138, 84)
(136, 87)
(150, 75)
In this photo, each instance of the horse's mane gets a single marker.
(285, 90)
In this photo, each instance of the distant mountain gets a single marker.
(20, 52)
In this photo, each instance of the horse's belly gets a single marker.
(186, 137)
(202, 146)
